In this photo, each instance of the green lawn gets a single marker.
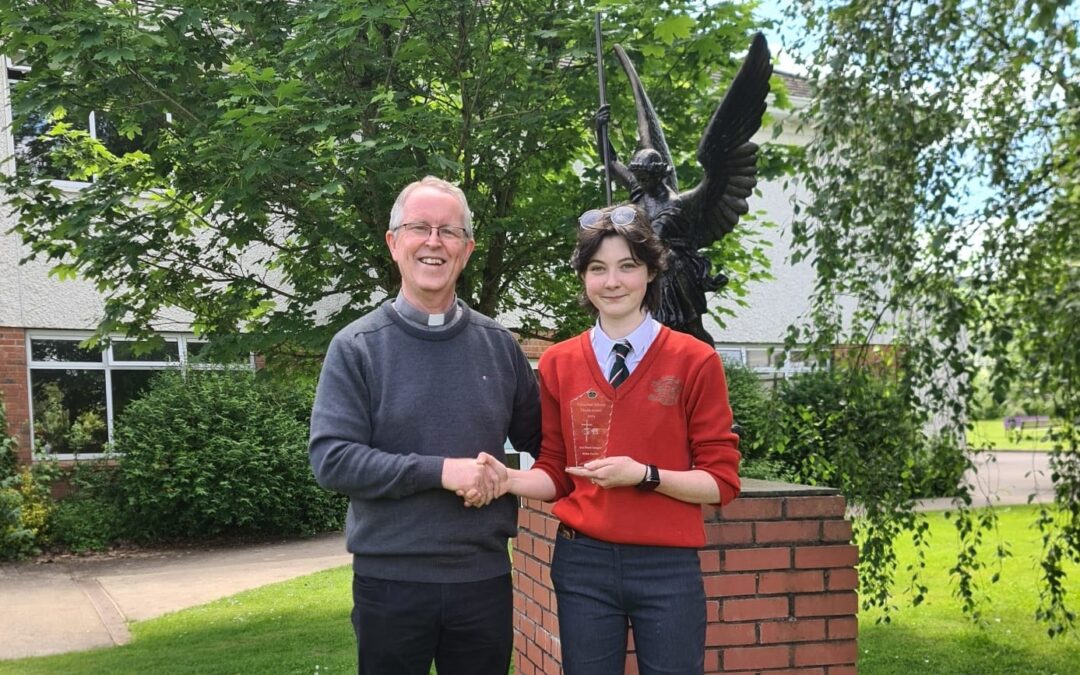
(935, 639)
(993, 432)
(302, 626)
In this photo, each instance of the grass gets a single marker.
(298, 626)
(993, 432)
(302, 626)
(935, 638)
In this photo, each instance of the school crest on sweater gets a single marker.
(665, 390)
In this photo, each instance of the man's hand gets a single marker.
(494, 470)
(610, 472)
(464, 474)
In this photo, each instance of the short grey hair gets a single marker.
(397, 213)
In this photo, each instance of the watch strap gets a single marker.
(651, 480)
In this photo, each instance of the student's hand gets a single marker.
(496, 471)
(610, 472)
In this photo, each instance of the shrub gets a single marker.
(204, 453)
(15, 540)
(26, 505)
(766, 469)
(858, 431)
(90, 518)
(751, 408)
(8, 460)
(25, 501)
(85, 523)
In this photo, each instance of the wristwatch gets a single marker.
(651, 481)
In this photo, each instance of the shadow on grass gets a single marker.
(889, 649)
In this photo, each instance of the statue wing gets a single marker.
(650, 134)
(712, 208)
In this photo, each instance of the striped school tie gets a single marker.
(619, 371)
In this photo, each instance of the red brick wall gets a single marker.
(534, 347)
(780, 585)
(14, 387)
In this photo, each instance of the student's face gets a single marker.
(429, 266)
(615, 282)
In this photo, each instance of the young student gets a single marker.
(636, 436)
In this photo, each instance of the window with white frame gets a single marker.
(33, 146)
(731, 355)
(30, 143)
(77, 393)
(759, 358)
(765, 359)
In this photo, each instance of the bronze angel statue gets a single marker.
(694, 219)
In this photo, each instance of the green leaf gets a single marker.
(64, 272)
(652, 51)
(677, 27)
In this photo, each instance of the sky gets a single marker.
(780, 36)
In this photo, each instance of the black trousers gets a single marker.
(402, 626)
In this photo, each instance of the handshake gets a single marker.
(478, 481)
(484, 479)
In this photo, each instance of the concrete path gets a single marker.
(1004, 479)
(73, 604)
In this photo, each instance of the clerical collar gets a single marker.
(421, 318)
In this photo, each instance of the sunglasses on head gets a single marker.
(620, 217)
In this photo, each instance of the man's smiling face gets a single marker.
(429, 266)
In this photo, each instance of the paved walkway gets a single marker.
(81, 603)
(1004, 479)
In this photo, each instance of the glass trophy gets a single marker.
(590, 418)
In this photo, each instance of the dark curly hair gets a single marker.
(644, 246)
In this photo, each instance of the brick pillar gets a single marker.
(15, 387)
(780, 585)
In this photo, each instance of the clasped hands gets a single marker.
(478, 481)
(492, 478)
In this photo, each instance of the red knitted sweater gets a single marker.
(672, 411)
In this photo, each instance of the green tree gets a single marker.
(946, 209)
(261, 144)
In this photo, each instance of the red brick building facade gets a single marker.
(15, 387)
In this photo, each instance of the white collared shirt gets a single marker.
(640, 339)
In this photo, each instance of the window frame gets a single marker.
(107, 364)
(7, 127)
(744, 351)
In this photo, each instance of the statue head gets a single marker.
(649, 167)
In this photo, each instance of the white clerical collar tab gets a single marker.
(436, 319)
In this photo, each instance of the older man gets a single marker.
(409, 397)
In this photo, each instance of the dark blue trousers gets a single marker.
(402, 626)
(604, 590)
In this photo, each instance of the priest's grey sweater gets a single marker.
(393, 401)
